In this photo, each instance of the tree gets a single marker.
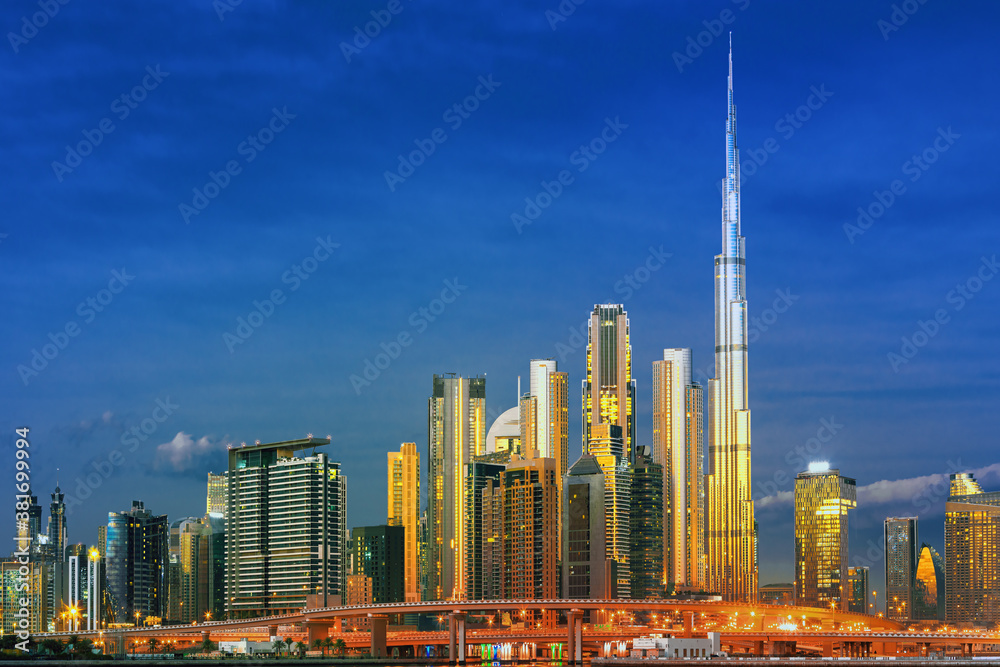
(53, 646)
(207, 645)
(153, 642)
(278, 645)
(318, 644)
(83, 647)
(327, 643)
(340, 646)
(168, 647)
(300, 648)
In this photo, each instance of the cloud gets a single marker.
(884, 492)
(182, 452)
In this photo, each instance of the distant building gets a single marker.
(777, 594)
(678, 647)
(478, 474)
(609, 389)
(929, 586)
(858, 590)
(136, 564)
(972, 552)
(646, 527)
(11, 580)
(608, 449)
(492, 571)
(380, 554)
(822, 499)
(504, 434)
(285, 528)
(403, 503)
(900, 565)
(215, 503)
(196, 574)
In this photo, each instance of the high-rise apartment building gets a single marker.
(403, 503)
(380, 553)
(57, 526)
(136, 564)
(822, 499)
(900, 564)
(215, 503)
(285, 528)
(928, 585)
(646, 559)
(972, 552)
(12, 579)
(609, 390)
(608, 449)
(456, 433)
(585, 566)
(492, 571)
(196, 574)
(478, 475)
(678, 445)
(731, 543)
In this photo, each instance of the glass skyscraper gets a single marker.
(972, 552)
(822, 498)
(900, 562)
(609, 390)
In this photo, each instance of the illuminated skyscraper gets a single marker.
(379, 553)
(57, 526)
(403, 503)
(456, 432)
(972, 552)
(609, 390)
(678, 443)
(822, 499)
(928, 585)
(731, 543)
(216, 500)
(286, 532)
(606, 447)
(584, 561)
(136, 563)
(900, 563)
(478, 475)
(858, 590)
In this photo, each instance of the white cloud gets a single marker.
(181, 452)
(917, 490)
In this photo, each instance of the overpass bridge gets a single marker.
(782, 628)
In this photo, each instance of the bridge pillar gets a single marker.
(378, 623)
(574, 642)
(456, 638)
(272, 632)
(828, 648)
(758, 647)
(205, 636)
(314, 631)
(688, 623)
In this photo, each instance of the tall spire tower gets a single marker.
(731, 542)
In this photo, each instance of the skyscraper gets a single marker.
(215, 503)
(403, 471)
(928, 585)
(608, 450)
(380, 553)
(285, 528)
(192, 573)
(678, 444)
(57, 526)
(822, 499)
(584, 561)
(136, 564)
(456, 432)
(646, 558)
(900, 564)
(731, 543)
(609, 390)
(858, 590)
(478, 475)
(972, 552)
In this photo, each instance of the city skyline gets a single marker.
(175, 389)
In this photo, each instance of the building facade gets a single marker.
(380, 554)
(456, 433)
(928, 585)
(900, 566)
(403, 503)
(972, 552)
(859, 589)
(136, 564)
(215, 502)
(646, 521)
(731, 542)
(678, 445)
(822, 499)
(285, 528)
(584, 560)
(478, 475)
(608, 450)
(609, 390)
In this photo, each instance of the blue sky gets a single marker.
(256, 108)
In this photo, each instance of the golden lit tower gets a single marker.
(971, 552)
(731, 544)
(403, 504)
(678, 440)
(609, 390)
(456, 432)
(822, 499)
